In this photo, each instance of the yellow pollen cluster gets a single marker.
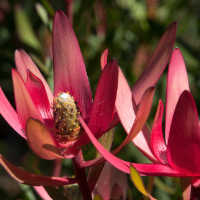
(65, 116)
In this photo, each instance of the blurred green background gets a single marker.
(130, 29)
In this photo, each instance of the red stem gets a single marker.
(57, 167)
(80, 175)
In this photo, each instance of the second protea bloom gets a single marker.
(178, 154)
(50, 122)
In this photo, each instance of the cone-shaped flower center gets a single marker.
(65, 113)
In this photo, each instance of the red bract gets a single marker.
(178, 156)
(126, 101)
(34, 117)
(181, 125)
(149, 77)
(34, 99)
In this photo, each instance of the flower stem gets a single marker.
(80, 175)
(57, 167)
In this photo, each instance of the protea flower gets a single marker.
(50, 123)
(55, 131)
(177, 155)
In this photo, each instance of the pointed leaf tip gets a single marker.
(68, 65)
(157, 63)
(137, 180)
(177, 82)
(23, 63)
(29, 178)
(157, 141)
(104, 58)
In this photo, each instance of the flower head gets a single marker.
(50, 122)
(177, 155)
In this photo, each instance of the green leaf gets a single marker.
(161, 185)
(150, 186)
(43, 14)
(25, 30)
(106, 141)
(137, 181)
(94, 173)
(48, 7)
(97, 197)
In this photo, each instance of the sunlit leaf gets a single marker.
(27, 190)
(43, 14)
(48, 7)
(106, 141)
(137, 180)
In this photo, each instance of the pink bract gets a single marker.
(34, 99)
(126, 101)
(33, 118)
(125, 113)
(179, 158)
